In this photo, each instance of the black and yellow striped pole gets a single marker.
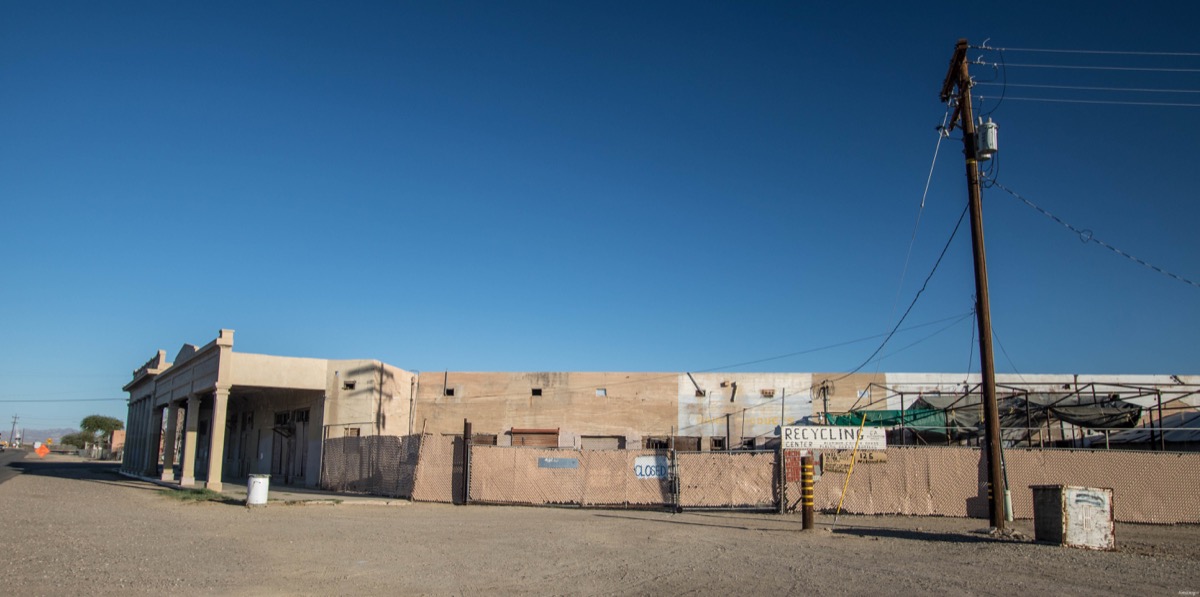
(806, 493)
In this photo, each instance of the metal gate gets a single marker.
(727, 480)
(289, 446)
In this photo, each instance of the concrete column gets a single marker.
(130, 426)
(168, 450)
(143, 445)
(133, 430)
(152, 440)
(190, 431)
(216, 450)
(133, 438)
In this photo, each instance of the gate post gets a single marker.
(782, 478)
(673, 472)
(806, 493)
(466, 469)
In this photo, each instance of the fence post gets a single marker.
(673, 471)
(320, 473)
(466, 470)
(782, 477)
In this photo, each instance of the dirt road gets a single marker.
(72, 528)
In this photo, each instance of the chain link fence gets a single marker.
(1148, 487)
(375, 464)
(623, 478)
(438, 475)
(728, 480)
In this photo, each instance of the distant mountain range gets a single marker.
(39, 435)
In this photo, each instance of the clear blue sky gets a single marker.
(578, 186)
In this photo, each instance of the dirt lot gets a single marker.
(72, 528)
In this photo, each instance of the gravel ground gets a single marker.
(72, 527)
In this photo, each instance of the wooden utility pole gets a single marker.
(958, 76)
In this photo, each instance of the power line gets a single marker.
(962, 318)
(1105, 52)
(920, 212)
(68, 400)
(1109, 102)
(956, 319)
(1010, 361)
(1003, 88)
(1148, 69)
(942, 134)
(64, 393)
(731, 366)
(914, 301)
(1089, 88)
(1087, 236)
(50, 421)
(830, 346)
(971, 349)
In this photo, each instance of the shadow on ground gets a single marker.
(769, 526)
(912, 535)
(790, 524)
(82, 471)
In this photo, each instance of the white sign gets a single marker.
(811, 437)
(650, 467)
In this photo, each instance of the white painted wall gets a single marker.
(752, 414)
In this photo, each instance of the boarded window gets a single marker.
(657, 443)
(602, 442)
(767, 393)
(542, 438)
(352, 432)
(687, 443)
(483, 439)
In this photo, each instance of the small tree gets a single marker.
(97, 429)
(79, 440)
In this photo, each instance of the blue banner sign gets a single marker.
(558, 463)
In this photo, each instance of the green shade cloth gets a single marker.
(917, 419)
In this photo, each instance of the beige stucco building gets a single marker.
(213, 412)
(270, 412)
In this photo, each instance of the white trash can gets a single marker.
(257, 489)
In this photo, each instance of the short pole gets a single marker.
(806, 494)
(466, 462)
(783, 479)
